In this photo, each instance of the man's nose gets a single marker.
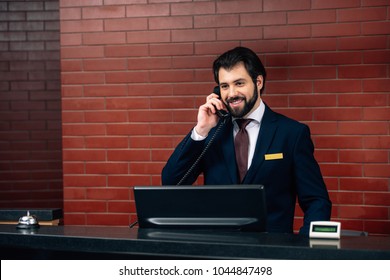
(232, 91)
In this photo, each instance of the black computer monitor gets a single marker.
(240, 207)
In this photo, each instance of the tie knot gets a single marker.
(242, 123)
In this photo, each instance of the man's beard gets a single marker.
(248, 105)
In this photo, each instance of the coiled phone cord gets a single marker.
(189, 171)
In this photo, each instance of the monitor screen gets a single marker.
(240, 207)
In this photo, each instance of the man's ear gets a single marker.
(260, 82)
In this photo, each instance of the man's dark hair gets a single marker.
(231, 58)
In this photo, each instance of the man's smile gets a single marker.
(235, 101)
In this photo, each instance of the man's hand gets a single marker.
(207, 114)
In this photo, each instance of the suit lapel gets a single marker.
(267, 131)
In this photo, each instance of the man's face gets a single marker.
(239, 93)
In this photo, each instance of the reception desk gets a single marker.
(80, 242)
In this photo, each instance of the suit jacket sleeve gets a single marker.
(183, 157)
(311, 190)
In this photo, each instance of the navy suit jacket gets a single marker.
(293, 174)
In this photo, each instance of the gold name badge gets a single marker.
(273, 156)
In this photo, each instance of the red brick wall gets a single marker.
(135, 72)
(30, 100)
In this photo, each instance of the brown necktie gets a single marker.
(241, 144)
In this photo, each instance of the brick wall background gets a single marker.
(30, 99)
(135, 71)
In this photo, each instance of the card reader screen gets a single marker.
(322, 228)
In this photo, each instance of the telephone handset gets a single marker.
(221, 113)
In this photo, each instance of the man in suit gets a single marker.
(279, 155)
